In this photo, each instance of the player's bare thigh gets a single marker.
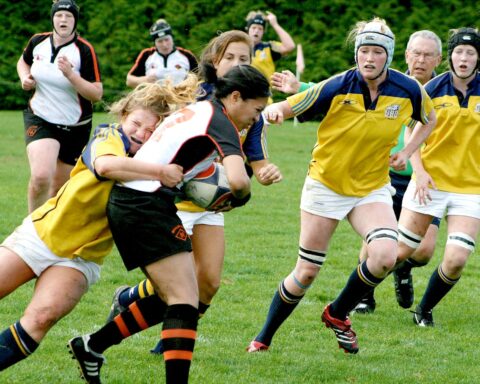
(14, 272)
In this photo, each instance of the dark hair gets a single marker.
(245, 79)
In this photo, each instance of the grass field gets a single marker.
(262, 243)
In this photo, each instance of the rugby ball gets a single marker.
(209, 189)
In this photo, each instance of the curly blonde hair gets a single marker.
(161, 97)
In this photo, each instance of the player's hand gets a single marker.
(271, 18)
(273, 114)
(28, 83)
(269, 174)
(285, 82)
(171, 175)
(398, 161)
(65, 66)
(422, 191)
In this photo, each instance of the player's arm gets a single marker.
(237, 176)
(287, 44)
(26, 78)
(133, 81)
(276, 113)
(265, 172)
(126, 169)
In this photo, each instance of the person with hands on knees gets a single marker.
(361, 112)
(61, 68)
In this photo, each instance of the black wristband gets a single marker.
(236, 202)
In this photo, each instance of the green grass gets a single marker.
(262, 245)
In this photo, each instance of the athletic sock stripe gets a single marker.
(138, 316)
(122, 327)
(18, 340)
(179, 333)
(177, 355)
(149, 288)
(446, 279)
(362, 277)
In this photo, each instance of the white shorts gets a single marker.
(455, 204)
(26, 243)
(190, 219)
(320, 200)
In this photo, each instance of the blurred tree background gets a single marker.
(119, 31)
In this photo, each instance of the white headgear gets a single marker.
(372, 34)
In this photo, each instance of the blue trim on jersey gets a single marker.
(442, 85)
(396, 84)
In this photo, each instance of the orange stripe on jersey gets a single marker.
(177, 355)
(17, 340)
(137, 314)
(183, 333)
(94, 58)
(122, 327)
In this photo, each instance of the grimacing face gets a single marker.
(138, 126)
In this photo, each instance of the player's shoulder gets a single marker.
(39, 37)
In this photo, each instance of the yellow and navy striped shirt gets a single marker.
(73, 223)
(451, 154)
(355, 136)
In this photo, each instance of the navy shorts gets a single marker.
(145, 226)
(72, 139)
(400, 183)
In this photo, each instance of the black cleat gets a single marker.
(89, 362)
(422, 318)
(403, 287)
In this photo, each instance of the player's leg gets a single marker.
(42, 157)
(14, 272)
(315, 234)
(174, 278)
(57, 291)
(376, 223)
(462, 233)
(61, 176)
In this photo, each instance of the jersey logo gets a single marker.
(180, 233)
(392, 111)
(477, 108)
(178, 66)
(348, 102)
(31, 130)
(443, 105)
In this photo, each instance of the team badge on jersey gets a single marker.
(392, 111)
(477, 108)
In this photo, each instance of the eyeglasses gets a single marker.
(426, 55)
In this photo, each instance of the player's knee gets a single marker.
(41, 319)
(382, 248)
(40, 181)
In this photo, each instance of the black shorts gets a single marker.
(400, 183)
(145, 226)
(72, 139)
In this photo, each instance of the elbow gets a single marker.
(240, 186)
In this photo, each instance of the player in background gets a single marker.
(61, 68)
(162, 61)
(149, 234)
(62, 243)
(423, 55)
(447, 171)
(206, 228)
(362, 112)
(266, 53)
